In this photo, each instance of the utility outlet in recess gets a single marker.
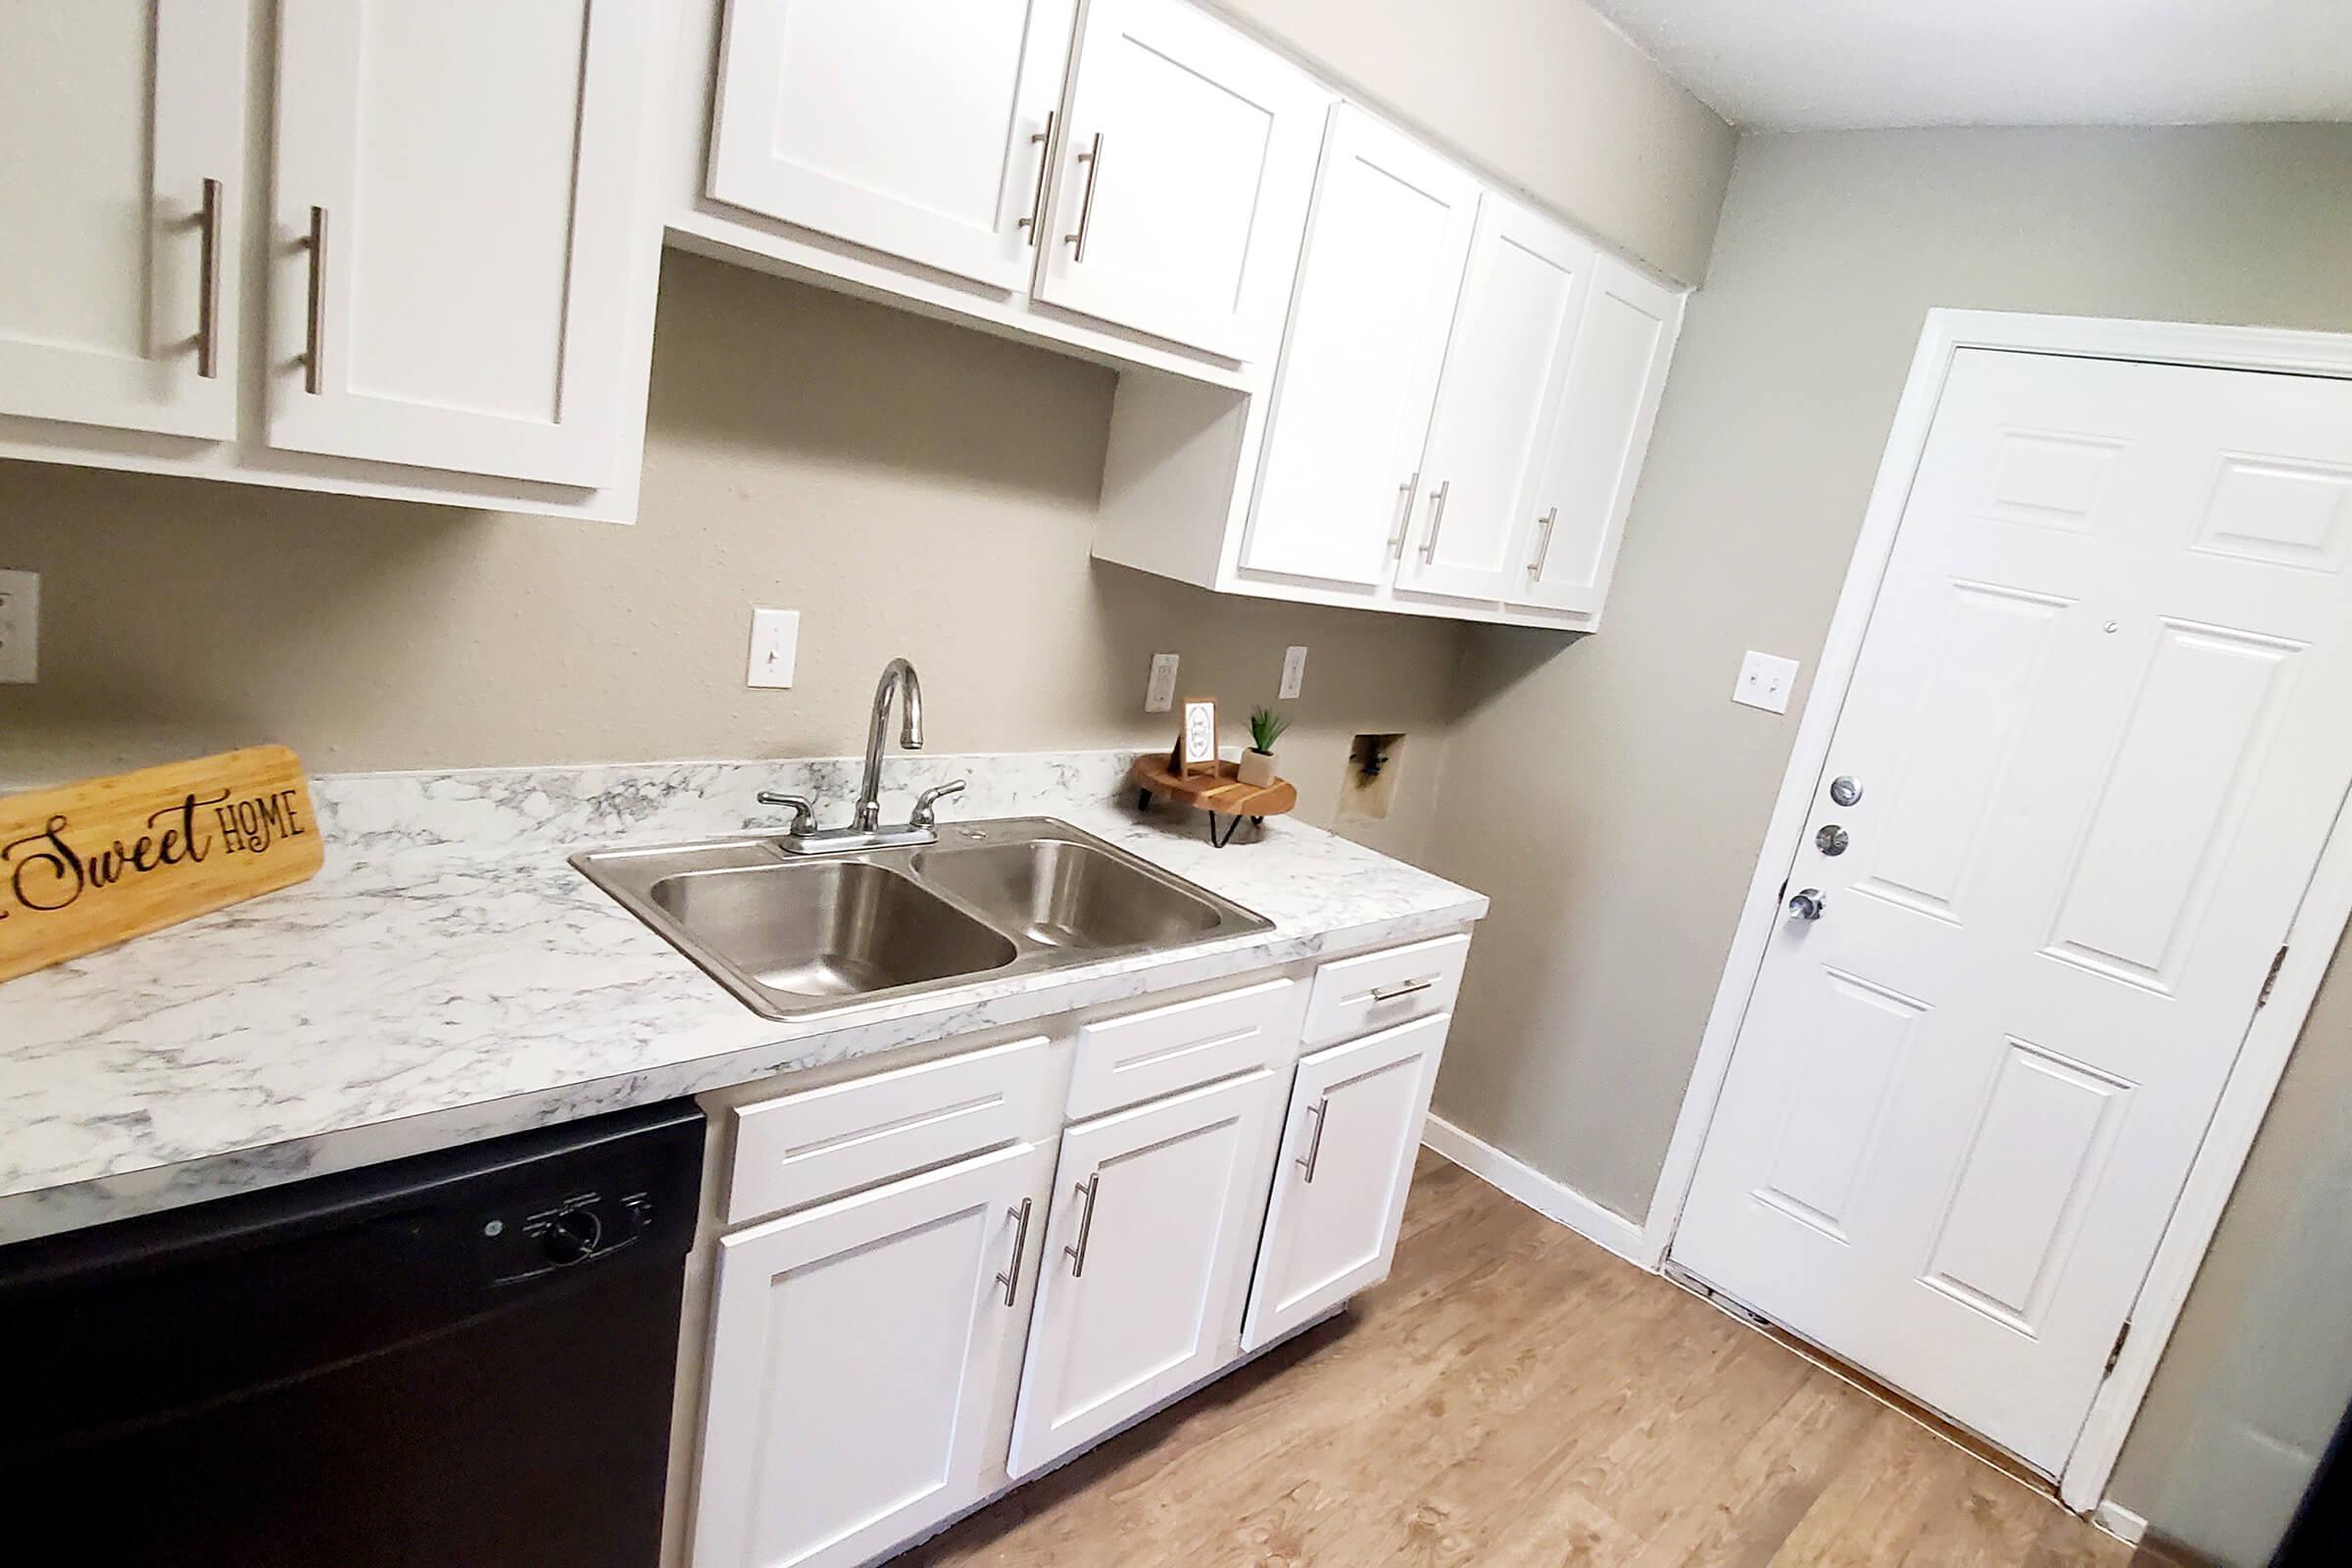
(1293, 671)
(1160, 695)
(775, 645)
(1765, 681)
(20, 627)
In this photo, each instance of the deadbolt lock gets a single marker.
(1832, 838)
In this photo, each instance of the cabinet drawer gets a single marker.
(815, 1145)
(1355, 996)
(1124, 1062)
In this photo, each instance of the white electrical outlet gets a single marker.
(1765, 681)
(20, 627)
(1294, 671)
(1160, 695)
(775, 647)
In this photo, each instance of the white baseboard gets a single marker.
(1603, 1227)
(2120, 1522)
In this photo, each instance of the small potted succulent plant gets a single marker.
(1258, 762)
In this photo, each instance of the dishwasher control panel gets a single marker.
(550, 1232)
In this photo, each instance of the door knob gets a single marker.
(1808, 904)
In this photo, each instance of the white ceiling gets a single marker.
(1788, 64)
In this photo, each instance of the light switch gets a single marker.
(20, 627)
(1765, 681)
(775, 647)
(1160, 695)
(1293, 671)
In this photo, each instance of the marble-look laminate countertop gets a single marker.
(450, 976)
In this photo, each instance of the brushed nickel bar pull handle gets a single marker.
(1092, 159)
(1089, 1190)
(1403, 988)
(313, 369)
(1534, 567)
(1044, 140)
(1405, 517)
(1012, 1277)
(1437, 521)
(208, 286)
(1314, 1146)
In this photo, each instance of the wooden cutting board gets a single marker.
(86, 866)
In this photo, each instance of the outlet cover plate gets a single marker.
(1765, 681)
(20, 627)
(1160, 695)
(1294, 671)
(775, 647)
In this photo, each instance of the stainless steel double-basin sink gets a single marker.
(795, 935)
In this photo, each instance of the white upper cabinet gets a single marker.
(1498, 402)
(1385, 251)
(123, 134)
(1187, 162)
(1616, 375)
(919, 127)
(455, 194)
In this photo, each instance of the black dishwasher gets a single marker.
(463, 1359)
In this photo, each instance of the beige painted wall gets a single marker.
(911, 487)
(1543, 92)
(1608, 796)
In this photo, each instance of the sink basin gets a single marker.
(829, 929)
(1058, 893)
(793, 936)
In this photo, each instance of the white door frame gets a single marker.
(2312, 939)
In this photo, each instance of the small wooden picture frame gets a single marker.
(1195, 738)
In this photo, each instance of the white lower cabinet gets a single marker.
(856, 1373)
(1155, 1216)
(1347, 1152)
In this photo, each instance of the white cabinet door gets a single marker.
(1496, 402)
(1385, 252)
(858, 1351)
(118, 116)
(1187, 165)
(1616, 374)
(1347, 1162)
(473, 171)
(1155, 1220)
(920, 127)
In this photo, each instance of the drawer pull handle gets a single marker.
(1092, 158)
(314, 367)
(1314, 1145)
(1088, 1190)
(1012, 1277)
(1044, 140)
(1402, 988)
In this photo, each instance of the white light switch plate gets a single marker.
(1293, 671)
(1765, 681)
(1160, 695)
(20, 627)
(775, 647)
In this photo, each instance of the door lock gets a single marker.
(1808, 904)
(1845, 789)
(1832, 840)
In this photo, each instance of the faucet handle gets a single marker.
(803, 814)
(926, 805)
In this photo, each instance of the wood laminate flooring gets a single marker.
(1515, 1396)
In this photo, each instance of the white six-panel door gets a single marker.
(1385, 251)
(2099, 729)
(919, 127)
(1186, 168)
(1498, 402)
(1147, 1263)
(1353, 1128)
(471, 282)
(117, 113)
(1571, 525)
(857, 1360)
